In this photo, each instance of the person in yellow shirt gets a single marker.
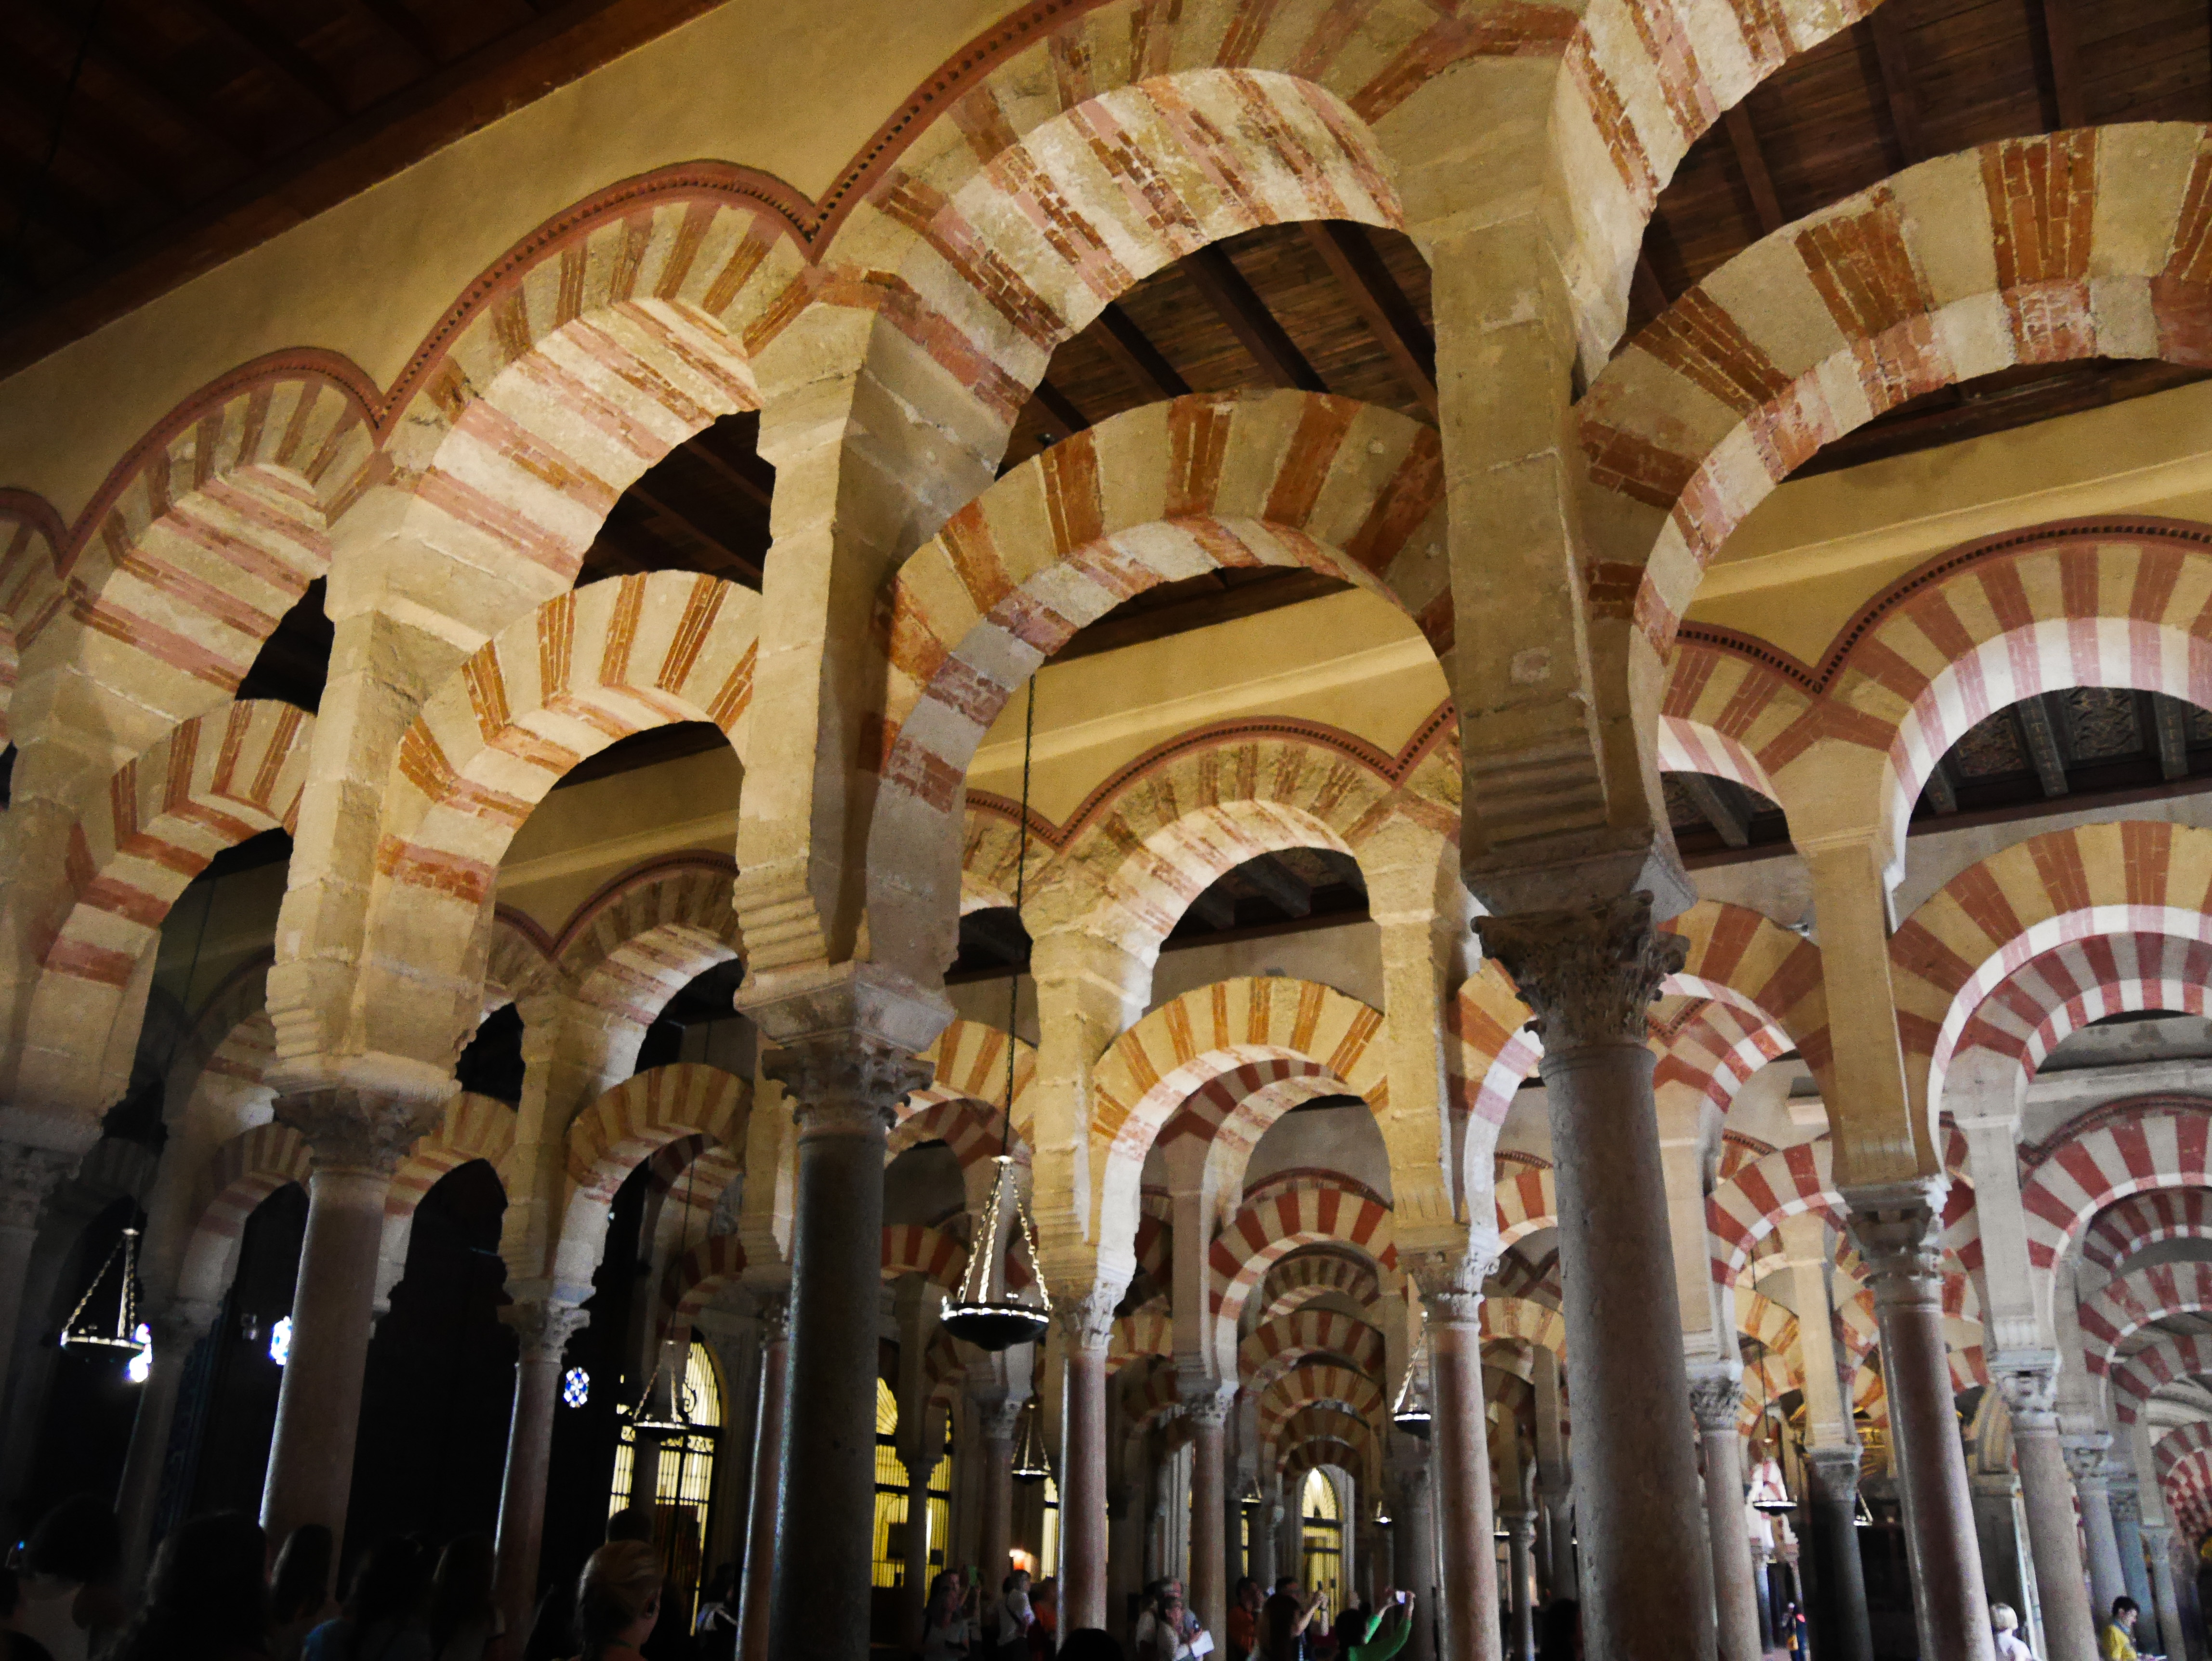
(2119, 1639)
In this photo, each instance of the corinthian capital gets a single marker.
(2028, 1381)
(845, 1083)
(1716, 1399)
(1450, 1281)
(1899, 1233)
(1590, 973)
(346, 1127)
(544, 1325)
(1086, 1319)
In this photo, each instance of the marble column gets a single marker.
(1899, 1233)
(998, 1412)
(1521, 1563)
(2085, 1459)
(1417, 1546)
(1205, 1406)
(2158, 1548)
(756, 1596)
(1451, 1296)
(1086, 1325)
(1716, 1403)
(1124, 1554)
(2029, 1384)
(177, 1328)
(29, 1176)
(543, 1325)
(355, 1140)
(1837, 1610)
(843, 1087)
(915, 1599)
(1267, 1526)
(2127, 1532)
(1591, 976)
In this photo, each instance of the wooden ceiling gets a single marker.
(142, 142)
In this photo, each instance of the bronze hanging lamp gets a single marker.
(645, 1419)
(985, 1311)
(1030, 1464)
(88, 1327)
(1411, 1411)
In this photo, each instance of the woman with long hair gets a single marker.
(617, 1600)
(206, 1600)
(383, 1618)
(947, 1623)
(464, 1620)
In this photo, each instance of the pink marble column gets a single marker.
(1715, 1400)
(759, 1579)
(177, 1328)
(1087, 1324)
(1416, 1545)
(1206, 1405)
(1451, 1293)
(543, 1325)
(355, 1140)
(843, 1086)
(1899, 1233)
(2030, 1386)
(1590, 975)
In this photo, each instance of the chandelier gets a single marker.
(985, 1311)
(646, 1419)
(1410, 1412)
(86, 1328)
(1030, 1464)
(1250, 1498)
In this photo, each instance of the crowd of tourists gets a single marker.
(216, 1592)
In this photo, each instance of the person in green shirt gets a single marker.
(1359, 1640)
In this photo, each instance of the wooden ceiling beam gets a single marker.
(1240, 306)
(125, 65)
(740, 468)
(407, 28)
(1278, 885)
(1060, 406)
(1215, 909)
(654, 498)
(279, 54)
(1895, 59)
(1751, 158)
(39, 197)
(1350, 254)
(1132, 351)
(1645, 286)
(1722, 803)
(2065, 63)
(2169, 725)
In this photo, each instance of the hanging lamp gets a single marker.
(1383, 1518)
(1410, 1413)
(985, 1311)
(1030, 1464)
(86, 1329)
(644, 1419)
(1250, 1497)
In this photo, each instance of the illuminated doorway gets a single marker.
(684, 1486)
(1321, 1517)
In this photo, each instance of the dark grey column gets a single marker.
(1837, 1606)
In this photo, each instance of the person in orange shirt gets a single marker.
(1245, 1620)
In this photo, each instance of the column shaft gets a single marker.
(1082, 1468)
(1208, 1591)
(318, 1405)
(2069, 1630)
(759, 1579)
(1899, 1233)
(177, 1332)
(996, 1417)
(1417, 1552)
(29, 1176)
(2127, 1531)
(1715, 1400)
(1837, 1611)
(1590, 975)
(2107, 1582)
(2157, 1546)
(544, 1328)
(1520, 1547)
(843, 1089)
(1461, 1428)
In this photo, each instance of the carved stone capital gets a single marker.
(1899, 1233)
(544, 1325)
(1086, 1319)
(1206, 1400)
(1716, 1400)
(29, 1176)
(1834, 1471)
(347, 1128)
(1590, 974)
(1451, 1283)
(997, 1413)
(2028, 1381)
(1521, 1526)
(2085, 1461)
(2127, 1503)
(845, 1083)
(2155, 1534)
(774, 1314)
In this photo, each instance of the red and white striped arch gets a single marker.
(2168, 1213)
(243, 1172)
(1306, 1212)
(1286, 1340)
(2183, 1458)
(213, 782)
(629, 1125)
(1306, 1276)
(1139, 1335)
(2168, 1359)
(2114, 879)
(1718, 1051)
(692, 1281)
(2034, 1010)
(2161, 1144)
(1524, 1321)
(1316, 1384)
(2127, 1303)
(1156, 495)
